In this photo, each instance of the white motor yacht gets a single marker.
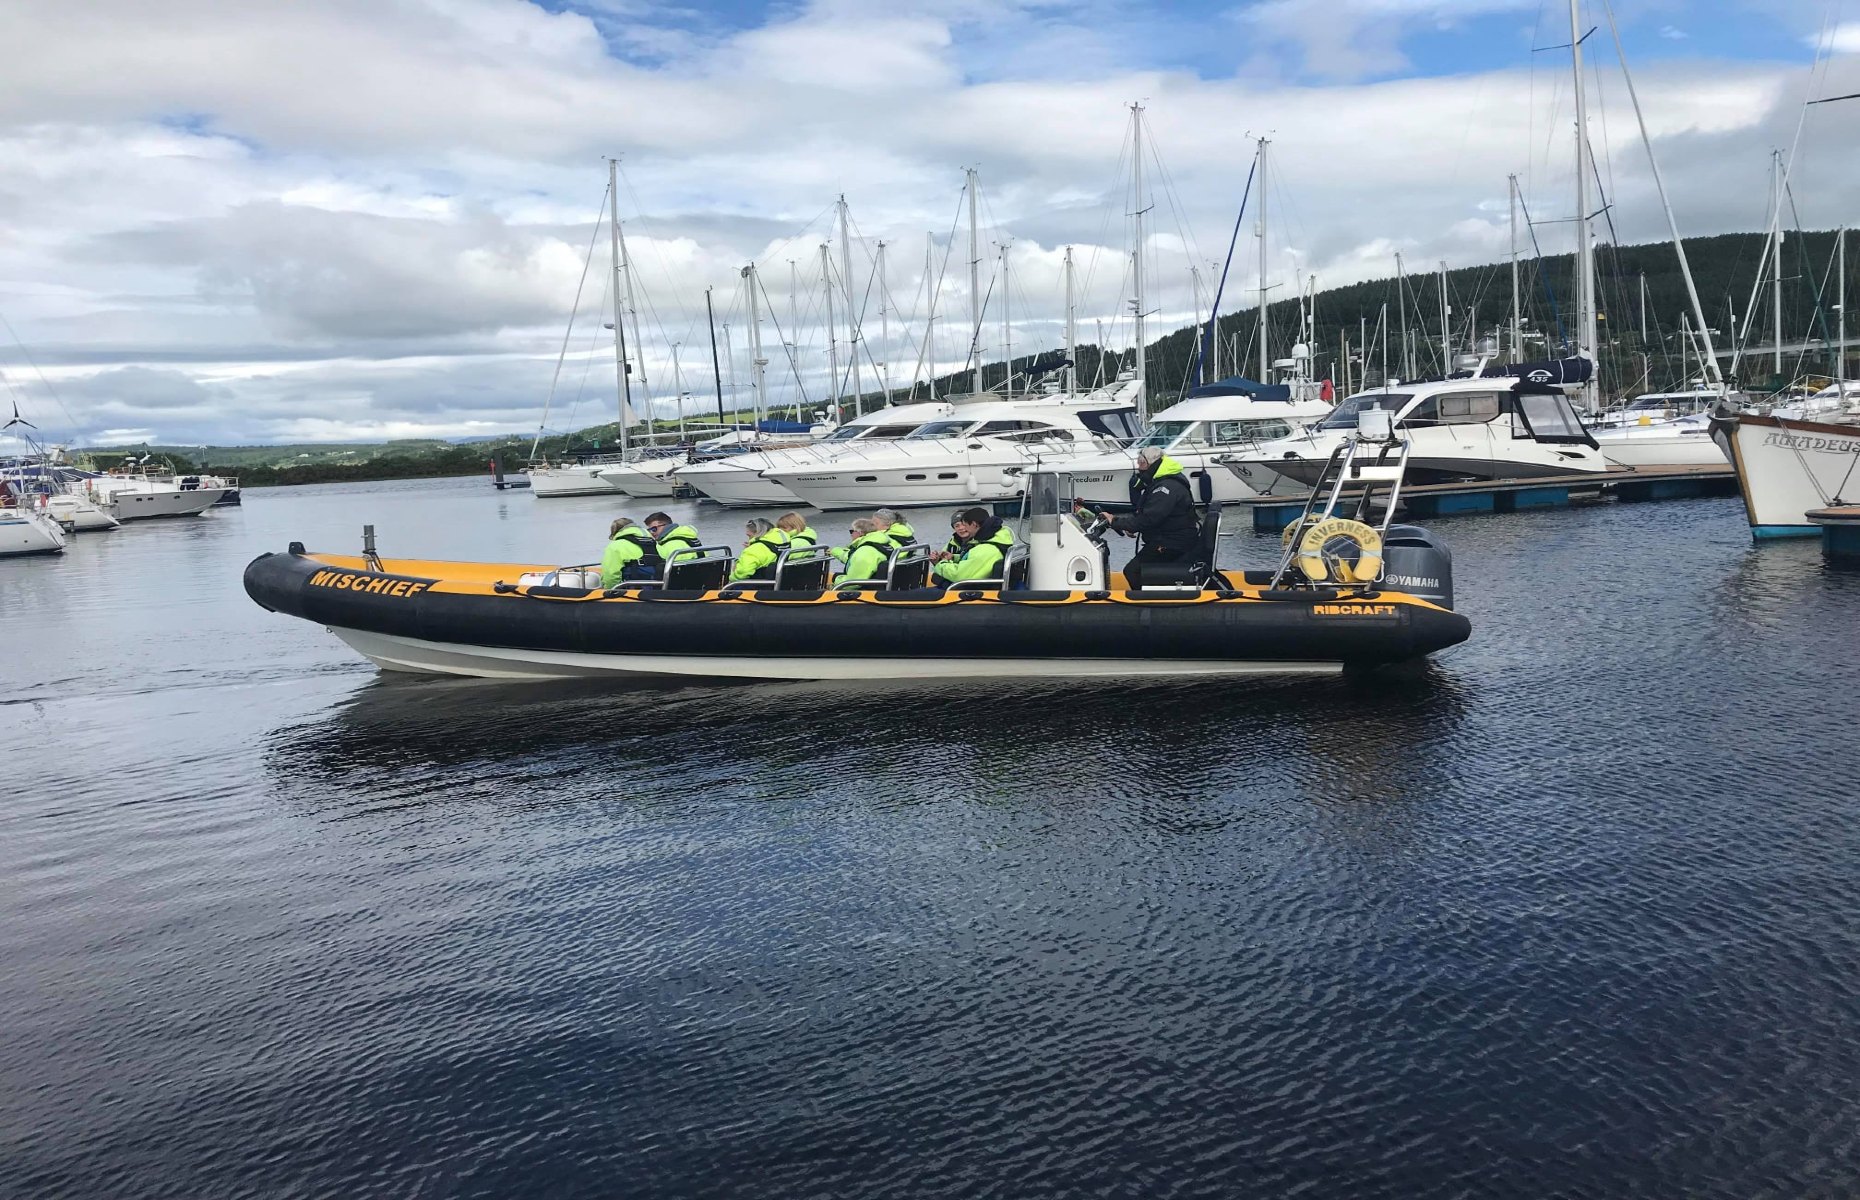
(144, 494)
(645, 474)
(740, 480)
(1208, 425)
(980, 453)
(653, 471)
(1789, 465)
(1459, 430)
(26, 529)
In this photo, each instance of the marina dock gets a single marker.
(1840, 532)
(1627, 484)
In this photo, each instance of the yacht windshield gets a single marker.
(1164, 433)
(1344, 415)
(845, 433)
(939, 429)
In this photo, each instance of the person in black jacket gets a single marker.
(1164, 516)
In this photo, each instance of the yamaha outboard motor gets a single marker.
(1417, 562)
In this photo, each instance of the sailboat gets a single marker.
(582, 475)
(1799, 457)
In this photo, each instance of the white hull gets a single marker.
(641, 479)
(906, 487)
(129, 504)
(1788, 468)
(79, 514)
(392, 653)
(23, 531)
(549, 482)
(1672, 450)
(1683, 442)
(737, 487)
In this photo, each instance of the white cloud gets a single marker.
(372, 216)
(1844, 38)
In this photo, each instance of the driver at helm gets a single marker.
(1164, 515)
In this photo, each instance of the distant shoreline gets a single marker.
(289, 483)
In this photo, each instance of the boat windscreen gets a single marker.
(885, 433)
(1344, 416)
(939, 429)
(1550, 418)
(1119, 423)
(1163, 434)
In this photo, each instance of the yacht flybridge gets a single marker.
(1458, 430)
(982, 451)
(741, 480)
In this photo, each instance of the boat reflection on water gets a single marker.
(876, 746)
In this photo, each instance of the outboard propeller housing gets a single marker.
(1417, 562)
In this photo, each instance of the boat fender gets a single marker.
(1323, 548)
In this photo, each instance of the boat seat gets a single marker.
(1197, 570)
(700, 568)
(1013, 573)
(802, 569)
(905, 568)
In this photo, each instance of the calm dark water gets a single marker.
(1571, 912)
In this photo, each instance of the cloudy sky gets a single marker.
(357, 219)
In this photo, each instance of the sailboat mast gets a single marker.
(852, 310)
(794, 332)
(1585, 252)
(1840, 308)
(757, 364)
(1136, 255)
(716, 368)
(931, 287)
(1007, 329)
(1072, 331)
(632, 312)
(1776, 277)
(1265, 363)
(975, 291)
(678, 388)
(884, 333)
(833, 344)
(1401, 301)
(1446, 330)
(1708, 354)
(613, 244)
(1517, 311)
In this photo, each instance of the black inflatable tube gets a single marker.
(1197, 630)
